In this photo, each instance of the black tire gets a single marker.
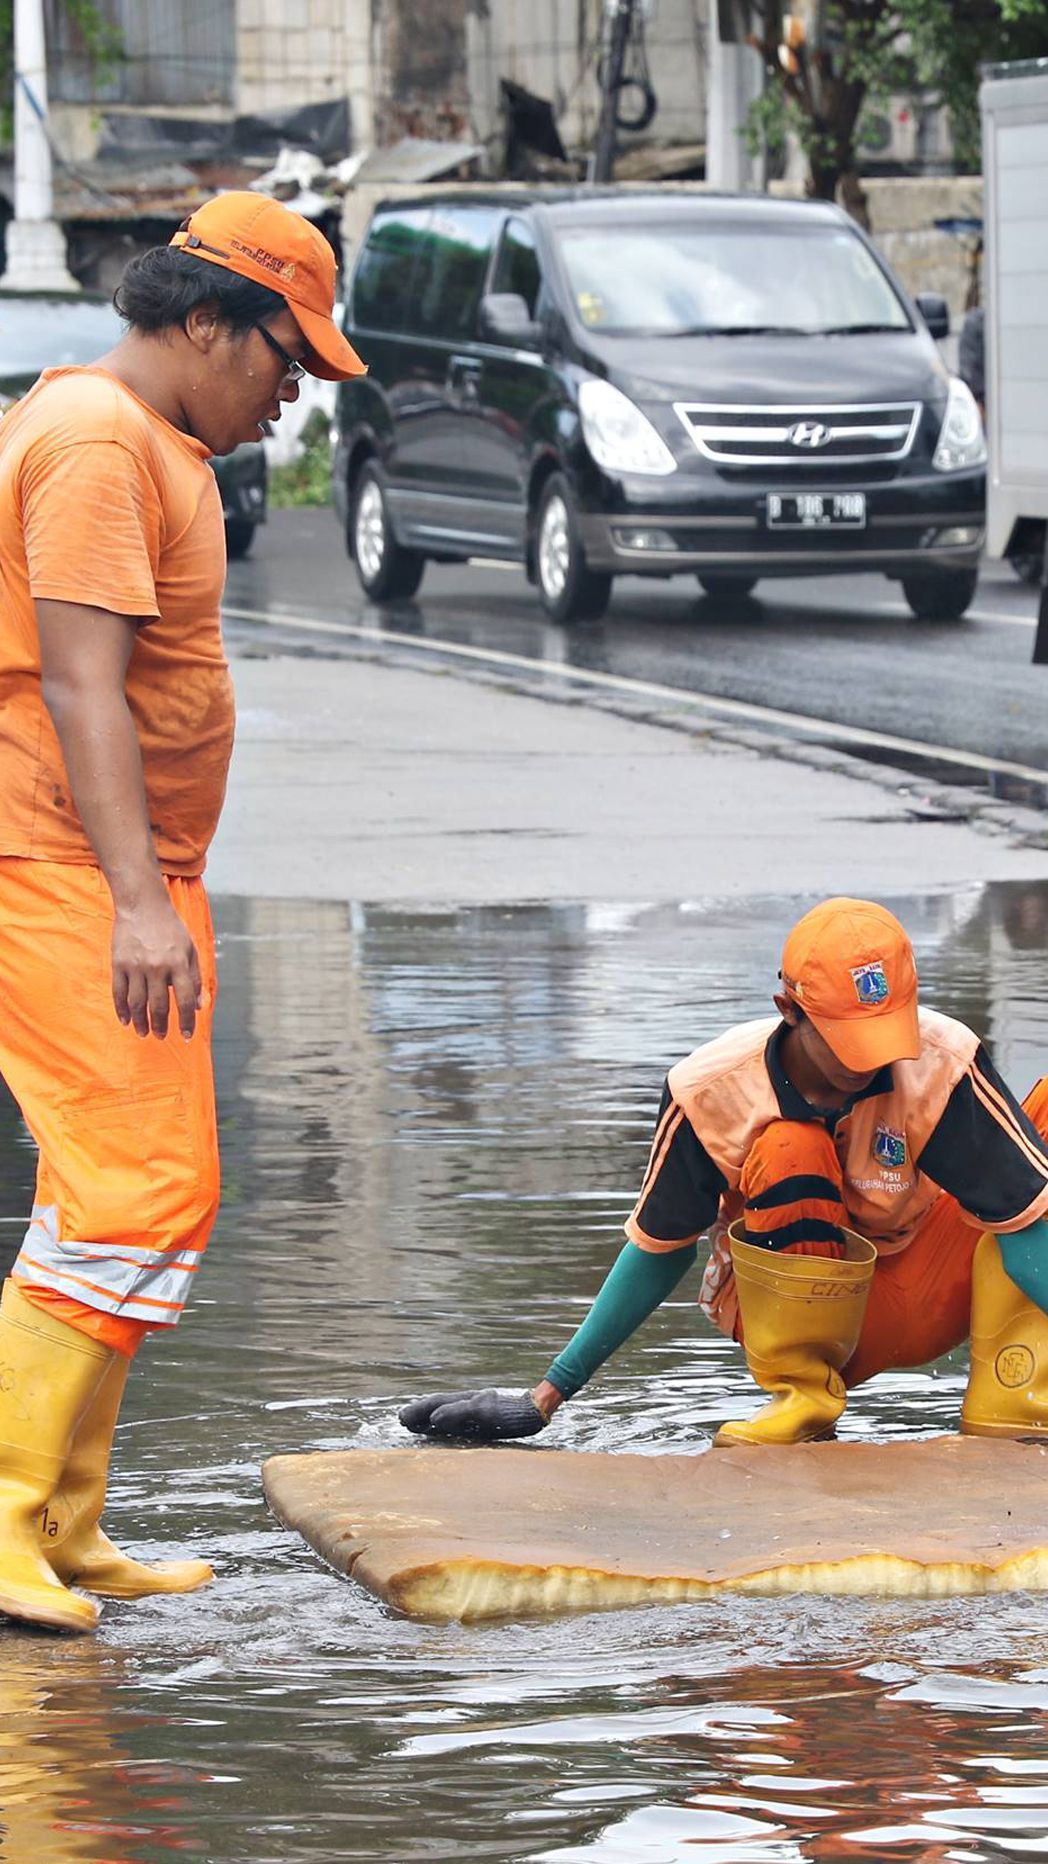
(940, 595)
(568, 589)
(240, 535)
(387, 572)
(1028, 565)
(728, 588)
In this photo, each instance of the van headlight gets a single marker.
(961, 438)
(619, 436)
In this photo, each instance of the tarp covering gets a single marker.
(447, 1533)
(324, 128)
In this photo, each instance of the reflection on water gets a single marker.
(433, 1124)
(81, 1774)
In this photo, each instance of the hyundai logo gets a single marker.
(809, 434)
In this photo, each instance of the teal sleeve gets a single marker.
(638, 1280)
(1025, 1257)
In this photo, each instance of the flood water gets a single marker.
(433, 1125)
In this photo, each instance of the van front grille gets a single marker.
(804, 435)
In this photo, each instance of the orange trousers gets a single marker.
(128, 1180)
(919, 1305)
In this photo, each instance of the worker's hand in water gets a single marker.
(485, 1416)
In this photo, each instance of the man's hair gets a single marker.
(802, 1014)
(161, 287)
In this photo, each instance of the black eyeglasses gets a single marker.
(293, 369)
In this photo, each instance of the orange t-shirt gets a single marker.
(103, 502)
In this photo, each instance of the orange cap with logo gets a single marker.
(850, 967)
(263, 240)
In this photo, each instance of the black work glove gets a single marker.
(484, 1416)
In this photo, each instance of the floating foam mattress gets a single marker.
(446, 1533)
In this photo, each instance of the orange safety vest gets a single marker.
(726, 1094)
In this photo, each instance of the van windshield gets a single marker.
(668, 279)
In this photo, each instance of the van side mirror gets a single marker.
(935, 311)
(504, 318)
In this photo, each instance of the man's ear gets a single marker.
(789, 1011)
(202, 326)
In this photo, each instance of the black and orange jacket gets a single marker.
(944, 1122)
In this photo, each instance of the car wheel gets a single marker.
(729, 588)
(240, 533)
(940, 595)
(387, 572)
(569, 590)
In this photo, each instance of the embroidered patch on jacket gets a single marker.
(871, 984)
(889, 1147)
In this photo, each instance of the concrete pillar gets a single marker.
(735, 80)
(363, 80)
(36, 247)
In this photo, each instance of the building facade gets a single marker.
(426, 68)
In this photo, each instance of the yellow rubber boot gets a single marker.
(1007, 1393)
(71, 1534)
(801, 1318)
(49, 1374)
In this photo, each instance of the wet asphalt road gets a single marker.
(844, 649)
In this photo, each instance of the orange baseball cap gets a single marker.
(850, 966)
(263, 240)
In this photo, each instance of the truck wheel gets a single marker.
(569, 590)
(387, 572)
(940, 595)
(1028, 566)
(728, 588)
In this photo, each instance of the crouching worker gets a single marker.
(116, 724)
(872, 1193)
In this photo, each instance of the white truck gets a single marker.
(1014, 100)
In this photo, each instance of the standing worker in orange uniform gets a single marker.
(844, 1157)
(116, 727)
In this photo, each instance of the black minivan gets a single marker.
(650, 383)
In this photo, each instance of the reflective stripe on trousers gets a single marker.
(127, 1179)
(142, 1284)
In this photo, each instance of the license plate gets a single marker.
(816, 511)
